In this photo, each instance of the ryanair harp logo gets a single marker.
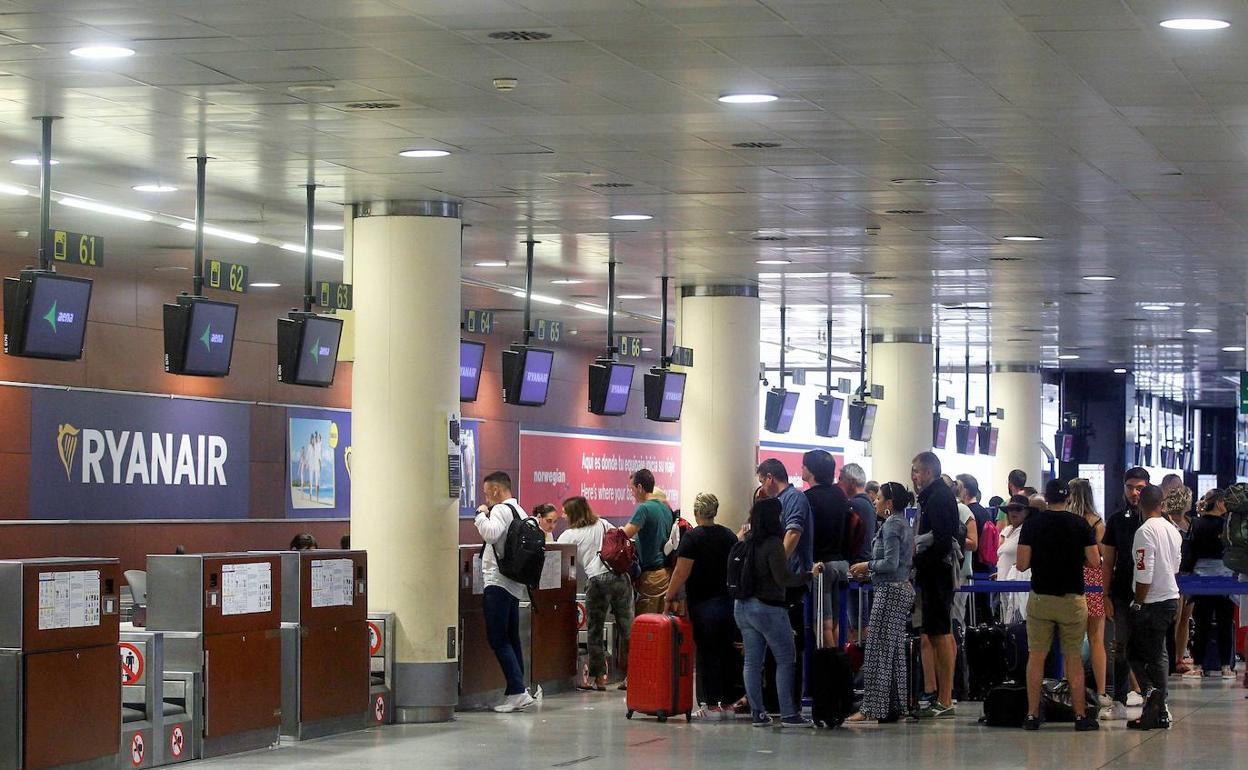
(67, 446)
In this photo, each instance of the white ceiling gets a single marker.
(1123, 144)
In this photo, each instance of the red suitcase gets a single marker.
(660, 666)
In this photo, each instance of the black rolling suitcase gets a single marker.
(831, 680)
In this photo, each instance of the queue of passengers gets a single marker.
(1107, 583)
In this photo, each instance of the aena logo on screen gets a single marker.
(209, 339)
(131, 457)
(53, 317)
(318, 350)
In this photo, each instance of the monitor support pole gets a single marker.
(308, 297)
(45, 192)
(201, 182)
(528, 289)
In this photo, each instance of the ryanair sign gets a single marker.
(108, 456)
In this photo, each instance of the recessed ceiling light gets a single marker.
(1100, 278)
(647, 350)
(1199, 330)
(631, 217)
(32, 160)
(773, 262)
(327, 227)
(1120, 370)
(917, 181)
(1068, 357)
(311, 88)
(567, 281)
(1233, 349)
(102, 52)
(491, 263)
(1155, 308)
(419, 153)
(877, 295)
(171, 268)
(155, 187)
(1198, 25)
(1023, 238)
(632, 296)
(264, 285)
(747, 98)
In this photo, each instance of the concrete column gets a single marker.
(1016, 388)
(719, 422)
(903, 422)
(406, 273)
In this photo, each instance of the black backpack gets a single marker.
(741, 570)
(524, 550)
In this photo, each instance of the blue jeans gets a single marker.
(502, 630)
(766, 627)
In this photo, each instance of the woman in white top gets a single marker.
(604, 590)
(1013, 605)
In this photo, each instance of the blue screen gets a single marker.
(673, 396)
(536, 377)
(58, 317)
(318, 353)
(619, 385)
(471, 354)
(210, 338)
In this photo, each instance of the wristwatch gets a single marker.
(1136, 606)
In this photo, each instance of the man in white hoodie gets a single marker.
(501, 600)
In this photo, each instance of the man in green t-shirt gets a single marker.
(651, 526)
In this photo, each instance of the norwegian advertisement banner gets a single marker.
(111, 456)
(318, 463)
(555, 466)
(792, 456)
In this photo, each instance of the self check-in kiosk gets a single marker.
(325, 643)
(221, 615)
(60, 696)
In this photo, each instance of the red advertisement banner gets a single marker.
(792, 459)
(555, 466)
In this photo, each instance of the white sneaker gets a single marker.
(1113, 711)
(537, 694)
(526, 700)
(512, 703)
(1135, 699)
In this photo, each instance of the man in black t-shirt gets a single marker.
(934, 562)
(1056, 545)
(1118, 567)
(829, 510)
(702, 570)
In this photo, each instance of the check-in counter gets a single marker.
(325, 643)
(548, 630)
(221, 615)
(381, 626)
(159, 706)
(60, 696)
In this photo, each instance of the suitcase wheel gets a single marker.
(688, 716)
(629, 715)
(662, 715)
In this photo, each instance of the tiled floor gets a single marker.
(590, 731)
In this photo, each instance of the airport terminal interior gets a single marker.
(709, 368)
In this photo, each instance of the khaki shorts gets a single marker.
(1067, 615)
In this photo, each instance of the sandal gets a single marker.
(858, 718)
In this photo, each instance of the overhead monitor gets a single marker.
(968, 438)
(471, 357)
(307, 349)
(828, 413)
(988, 440)
(1064, 443)
(940, 431)
(781, 406)
(861, 420)
(526, 375)
(45, 315)
(610, 385)
(665, 395)
(199, 336)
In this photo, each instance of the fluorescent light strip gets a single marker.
(590, 308)
(222, 233)
(537, 297)
(102, 208)
(298, 249)
(9, 189)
